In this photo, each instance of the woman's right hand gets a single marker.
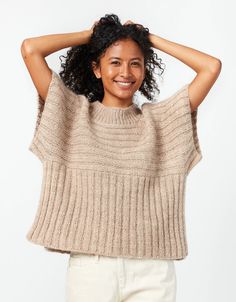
(91, 29)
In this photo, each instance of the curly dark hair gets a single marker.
(77, 72)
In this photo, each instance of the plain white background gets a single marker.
(29, 273)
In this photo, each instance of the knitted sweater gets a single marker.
(113, 178)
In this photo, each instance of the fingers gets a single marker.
(131, 22)
(128, 22)
(95, 23)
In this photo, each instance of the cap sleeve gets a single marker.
(195, 152)
(178, 129)
(59, 103)
(188, 122)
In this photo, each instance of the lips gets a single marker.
(124, 85)
(124, 81)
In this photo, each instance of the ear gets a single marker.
(96, 70)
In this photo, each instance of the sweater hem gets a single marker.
(68, 250)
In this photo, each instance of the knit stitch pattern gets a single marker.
(114, 178)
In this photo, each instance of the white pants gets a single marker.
(93, 278)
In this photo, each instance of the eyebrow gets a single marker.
(137, 58)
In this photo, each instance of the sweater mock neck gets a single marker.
(116, 115)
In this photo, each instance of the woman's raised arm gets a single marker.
(35, 49)
(206, 66)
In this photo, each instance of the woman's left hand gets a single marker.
(131, 22)
(128, 22)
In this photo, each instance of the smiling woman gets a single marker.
(114, 175)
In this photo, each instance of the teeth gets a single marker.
(124, 84)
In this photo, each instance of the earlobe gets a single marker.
(96, 70)
(98, 76)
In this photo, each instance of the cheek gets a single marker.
(139, 72)
(110, 72)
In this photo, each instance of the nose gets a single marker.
(125, 70)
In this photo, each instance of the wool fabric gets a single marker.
(114, 178)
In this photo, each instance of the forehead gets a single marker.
(123, 49)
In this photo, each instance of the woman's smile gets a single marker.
(124, 85)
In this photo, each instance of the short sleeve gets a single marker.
(194, 153)
(178, 132)
(51, 113)
(188, 123)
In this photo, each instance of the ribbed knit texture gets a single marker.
(113, 178)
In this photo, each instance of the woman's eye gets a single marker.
(135, 63)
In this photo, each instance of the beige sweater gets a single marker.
(113, 178)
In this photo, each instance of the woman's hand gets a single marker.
(131, 22)
(128, 22)
(90, 31)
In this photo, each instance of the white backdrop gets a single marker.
(29, 273)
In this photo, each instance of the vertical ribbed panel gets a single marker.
(94, 212)
(45, 203)
(133, 224)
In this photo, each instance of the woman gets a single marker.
(114, 174)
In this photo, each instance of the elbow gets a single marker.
(26, 47)
(216, 66)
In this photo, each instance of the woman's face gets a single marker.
(123, 62)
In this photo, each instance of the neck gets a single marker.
(112, 102)
(115, 115)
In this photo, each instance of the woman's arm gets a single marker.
(35, 49)
(195, 59)
(46, 45)
(206, 66)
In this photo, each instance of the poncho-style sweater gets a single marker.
(114, 178)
